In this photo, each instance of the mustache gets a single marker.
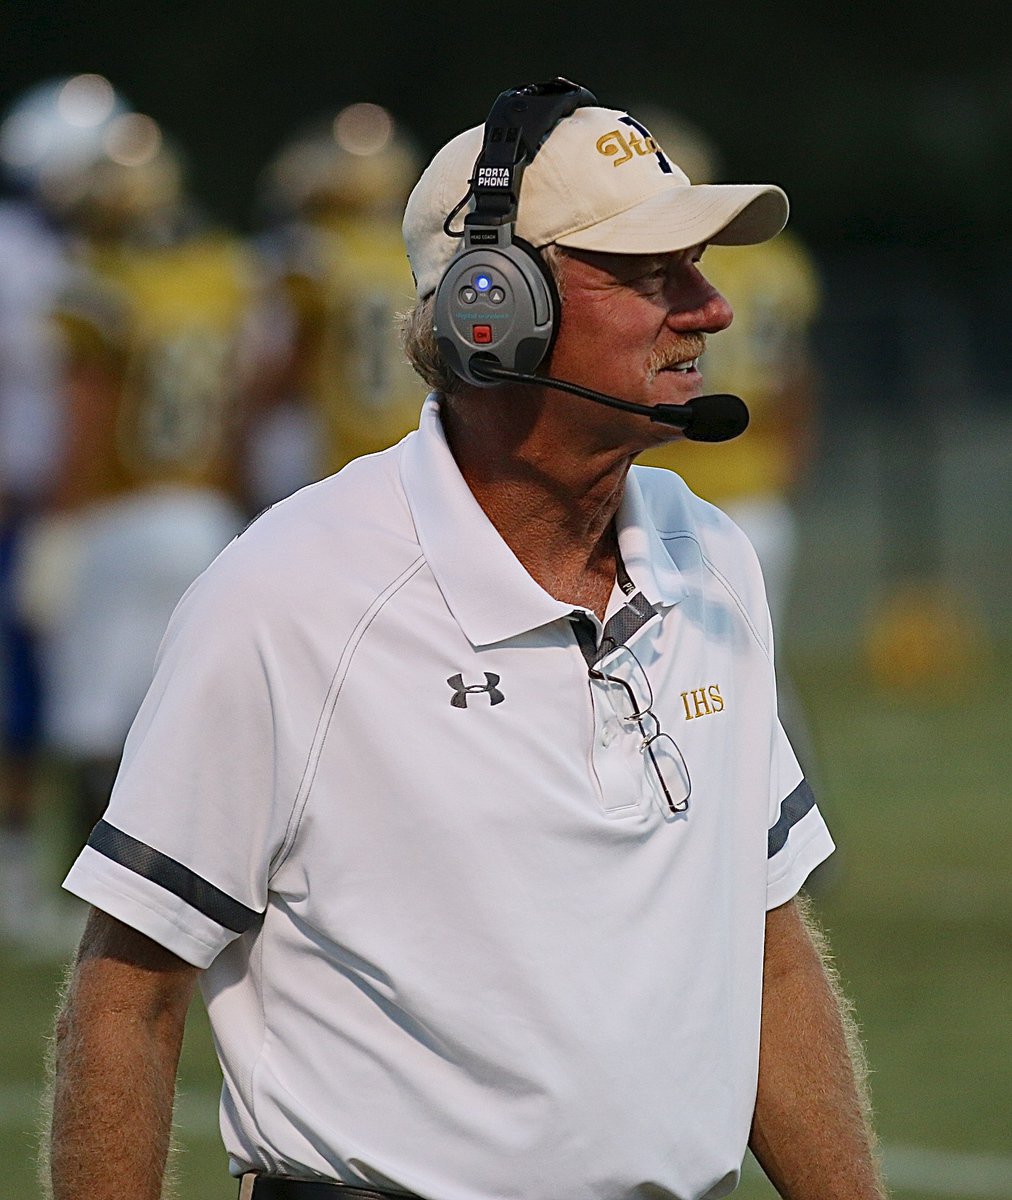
(684, 346)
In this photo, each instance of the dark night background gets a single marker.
(886, 123)
(889, 125)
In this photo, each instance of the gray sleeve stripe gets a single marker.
(173, 876)
(791, 811)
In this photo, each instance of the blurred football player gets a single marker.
(335, 383)
(54, 127)
(765, 357)
(151, 325)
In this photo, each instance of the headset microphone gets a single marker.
(716, 418)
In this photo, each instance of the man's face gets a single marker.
(634, 326)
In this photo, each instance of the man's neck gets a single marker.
(554, 508)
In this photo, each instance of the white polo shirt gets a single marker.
(455, 940)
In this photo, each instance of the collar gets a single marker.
(489, 592)
(645, 556)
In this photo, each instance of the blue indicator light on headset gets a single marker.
(482, 283)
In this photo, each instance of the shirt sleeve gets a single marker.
(797, 839)
(209, 780)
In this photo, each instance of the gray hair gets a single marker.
(418, 337)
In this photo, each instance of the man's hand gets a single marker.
(117, 1046)
(811, 1131)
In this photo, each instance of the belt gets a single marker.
(277, 1187)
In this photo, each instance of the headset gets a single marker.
(496, 307)
(497, 290)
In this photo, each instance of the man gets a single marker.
(460, 786)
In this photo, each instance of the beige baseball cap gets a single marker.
(599, 182)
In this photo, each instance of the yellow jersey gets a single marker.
(762, 357)
(347, 281)
(152, 336)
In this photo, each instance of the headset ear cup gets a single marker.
(552, 292)
(516, 330)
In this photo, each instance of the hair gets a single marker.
(418, 337)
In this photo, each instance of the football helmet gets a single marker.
(358, 161)
(57, 128)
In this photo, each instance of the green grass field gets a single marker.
(918, 906)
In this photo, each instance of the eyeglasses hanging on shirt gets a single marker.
(626, 686)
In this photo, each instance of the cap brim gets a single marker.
(680, 217)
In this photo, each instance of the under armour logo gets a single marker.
(461, 691)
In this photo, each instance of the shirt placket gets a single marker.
(616, 760)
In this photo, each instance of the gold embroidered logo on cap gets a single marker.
(615, 143)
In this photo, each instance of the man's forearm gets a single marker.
(116, 1052)
(811, 1131)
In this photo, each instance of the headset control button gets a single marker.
(497, 295)
(481, 335)
(468, 295)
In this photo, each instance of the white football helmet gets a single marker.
(57, 128)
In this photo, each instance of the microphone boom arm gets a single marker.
(716, 418)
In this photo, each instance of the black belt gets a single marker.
(276, 1187)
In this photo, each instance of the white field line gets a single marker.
(907, 1168)
(947, 1173)
(940, 1173)
(196, 1113)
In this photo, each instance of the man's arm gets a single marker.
(118, 1038)
(811, 1131)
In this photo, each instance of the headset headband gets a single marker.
(519, 121)
(496, 300)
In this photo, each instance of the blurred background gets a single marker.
(198, 264)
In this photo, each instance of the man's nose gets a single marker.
(717, 313)
(707, 310)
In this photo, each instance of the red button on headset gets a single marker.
(481, 335)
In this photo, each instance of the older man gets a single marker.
(460, 784)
